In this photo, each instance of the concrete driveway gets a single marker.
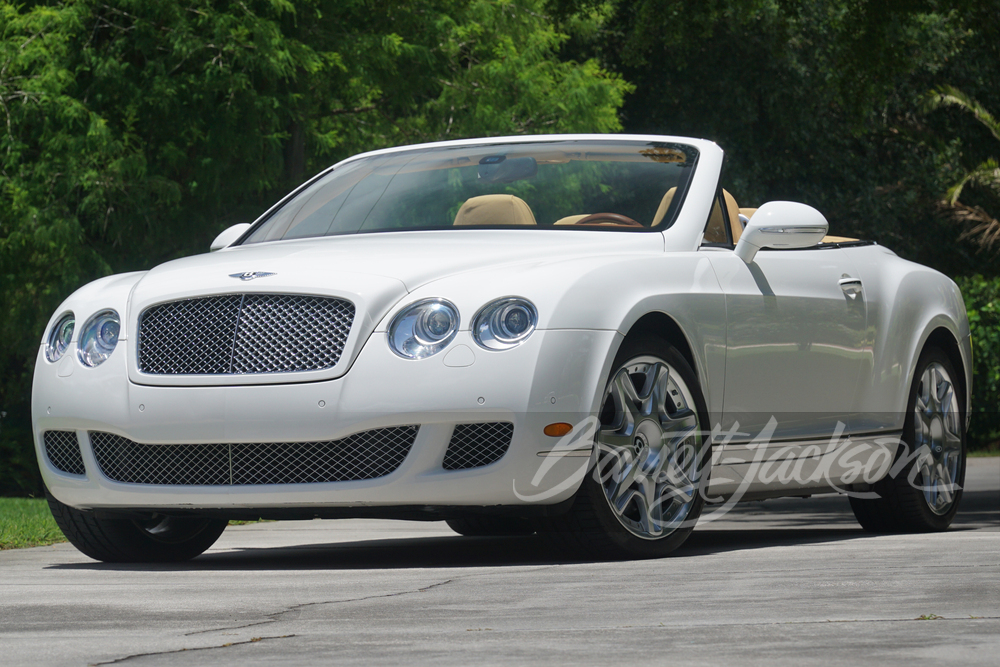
(784, 582)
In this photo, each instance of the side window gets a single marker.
(717, 230)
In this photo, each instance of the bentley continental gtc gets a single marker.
(579, 336)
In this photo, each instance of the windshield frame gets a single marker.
(689, 147)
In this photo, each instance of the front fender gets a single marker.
(609, 293)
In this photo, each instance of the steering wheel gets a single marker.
(613, 218)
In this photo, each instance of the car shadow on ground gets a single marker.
(785, 522)
(457, 552)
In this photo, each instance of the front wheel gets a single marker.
(155, 539)
(924, 489)
(644, 491)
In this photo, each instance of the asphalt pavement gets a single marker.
(780, 582)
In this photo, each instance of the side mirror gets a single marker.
(781, 224)
(226, 238)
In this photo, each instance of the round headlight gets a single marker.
(423, 329)
(99, 338)
(504, 323)
(60, 337)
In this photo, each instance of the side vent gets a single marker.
(478, 445)
(63, 450)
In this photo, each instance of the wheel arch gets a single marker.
(660, 324)
(943, 337)
(664, 324)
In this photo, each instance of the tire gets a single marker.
(160, 539)
(915, 496)
(647, 449)
(490, 526)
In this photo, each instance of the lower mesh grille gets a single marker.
(364, 455)
(476, 445)
(63, 450)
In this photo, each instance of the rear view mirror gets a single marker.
(229, 236)
(783, 225)
(500, 169)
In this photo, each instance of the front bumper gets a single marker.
(555, 376)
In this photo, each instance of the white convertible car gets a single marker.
(581, 336)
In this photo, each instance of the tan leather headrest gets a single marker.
(664, 205)
(494, 210)
(733, 210)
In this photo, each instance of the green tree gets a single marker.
(982, 226)
(132, 132)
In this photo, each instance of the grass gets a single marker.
(992, 449)
(26, 522)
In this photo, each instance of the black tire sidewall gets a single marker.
(624, 541)
(927, 519)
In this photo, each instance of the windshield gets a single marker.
(620, 185)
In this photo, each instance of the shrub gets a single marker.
(982, 300)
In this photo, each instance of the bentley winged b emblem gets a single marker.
(250, 275)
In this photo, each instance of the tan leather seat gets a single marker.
(733, 211)
(571, 219)
(495, 210)
(664, 205)
(715, 231)
(661, 211)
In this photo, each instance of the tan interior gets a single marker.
(494, 210)
(570, 219)
(664, 205)
(733, 212)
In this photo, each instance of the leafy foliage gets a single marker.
(986, 175)
(133, 132)
(982, 301)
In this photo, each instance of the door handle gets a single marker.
(851, 286)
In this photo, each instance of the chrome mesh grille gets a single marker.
(364, 455)
(476, 445)
(63, 450)
(243, 334)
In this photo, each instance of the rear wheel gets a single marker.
(490, 526)
(924, 494)
(156, 539)
(643, 495)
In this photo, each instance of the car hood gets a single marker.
(373, 271)
(395, 261)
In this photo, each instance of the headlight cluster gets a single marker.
(504, 323)
(423, 329)
(426, 327)
(98, 338)
(60, 337)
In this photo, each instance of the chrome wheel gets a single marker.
(937, 430)
(648, 448)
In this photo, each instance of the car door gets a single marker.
(795, 341)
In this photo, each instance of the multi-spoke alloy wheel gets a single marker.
(643, 494)
(923, 490)
(937, 425)
(647, 447)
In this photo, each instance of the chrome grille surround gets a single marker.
(63, 451)
(477, 445)
(237, 334)
(364, 455)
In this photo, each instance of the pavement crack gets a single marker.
(252, 640)
(275, 616)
